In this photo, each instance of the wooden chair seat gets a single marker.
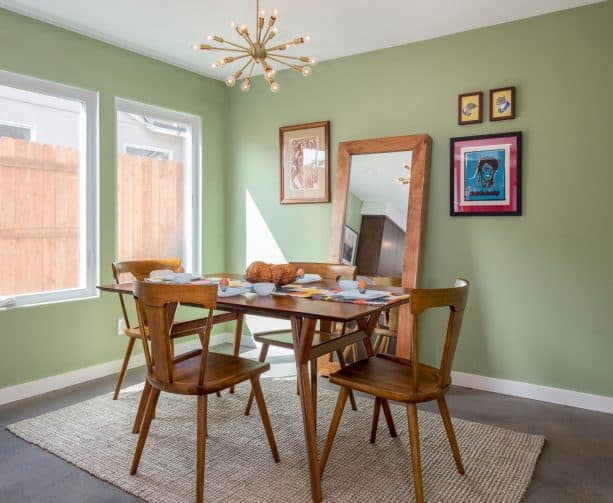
(179, 329)
(390, 378)
(222, 371)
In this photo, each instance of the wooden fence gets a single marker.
(39, 214)
(149, 208)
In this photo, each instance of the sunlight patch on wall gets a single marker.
(260, 244)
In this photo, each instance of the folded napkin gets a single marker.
(367, 295)
(308, 278)
(232, 291)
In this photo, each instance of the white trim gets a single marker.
(88, 186)
(53, 383)
(599, 403)
(548, 394)
(193, 158)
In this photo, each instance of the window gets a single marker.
(48, 193)
(158, 184)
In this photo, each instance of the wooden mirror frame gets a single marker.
(420, 145)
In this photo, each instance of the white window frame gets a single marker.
(88, 188)
(192, 254)
(161, 150)
(31, 128)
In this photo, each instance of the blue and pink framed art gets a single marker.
(486, 175)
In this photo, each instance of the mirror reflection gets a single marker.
(376, 214)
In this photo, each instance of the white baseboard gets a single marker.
(53, 383)
(548, 394)
(503, 386)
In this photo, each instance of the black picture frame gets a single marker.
(514, 207)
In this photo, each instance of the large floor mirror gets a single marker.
(378, 212)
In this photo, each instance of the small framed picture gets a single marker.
(304, 152)
(486, 175)
(470, 109)
(350, 246)
(502, 104)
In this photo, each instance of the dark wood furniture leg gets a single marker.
(262, 358)
(303, 330)
(238, 331)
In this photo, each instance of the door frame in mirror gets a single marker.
(420, 145)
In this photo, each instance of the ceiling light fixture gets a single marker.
(259, 51)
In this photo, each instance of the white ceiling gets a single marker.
(166, 29)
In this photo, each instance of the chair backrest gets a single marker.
(328, 271)
(453, 298)
(141, 269)
(389, 281)
(158, 302)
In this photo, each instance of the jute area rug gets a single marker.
(95, 436)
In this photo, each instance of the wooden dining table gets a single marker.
(303, 313)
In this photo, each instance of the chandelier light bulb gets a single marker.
(275, 13)
(262, 13)
(313, 61)
(307, 38)
(230, 80)
(307, 71)
(209, 37)
(246, 85)
(232, 24)
(196, 47)
(269, 72)
(274, 87)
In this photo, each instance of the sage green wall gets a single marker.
(45, 340)
(540, 304)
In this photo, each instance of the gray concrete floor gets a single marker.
(576, 464)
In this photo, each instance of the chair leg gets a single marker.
(341, 361)
(201, 435)
(442, 405)
(262, 358)
(336, 419)
(259, 399)
(142, 406)
(238, 332)
(144, 430)
(124, 367)
(415, 454)
(375, 420)
(314, 388)
(388, 418)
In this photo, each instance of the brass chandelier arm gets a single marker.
(302, 59)
(240, 72)
(204, 47)
(296, 68)
(251, 69)
(235, 45)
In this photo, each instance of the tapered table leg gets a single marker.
(302, 332)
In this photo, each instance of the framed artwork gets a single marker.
(470, 109)
(304, 152)
(502, 104)
(350, 246)
(486, 175)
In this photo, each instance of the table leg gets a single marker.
(302, 332)
(238, 331)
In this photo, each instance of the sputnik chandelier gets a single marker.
(259, 51)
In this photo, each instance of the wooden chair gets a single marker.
(198, 372)
(139, 269)
(388, 330)
(283, 338)
(408, 381)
